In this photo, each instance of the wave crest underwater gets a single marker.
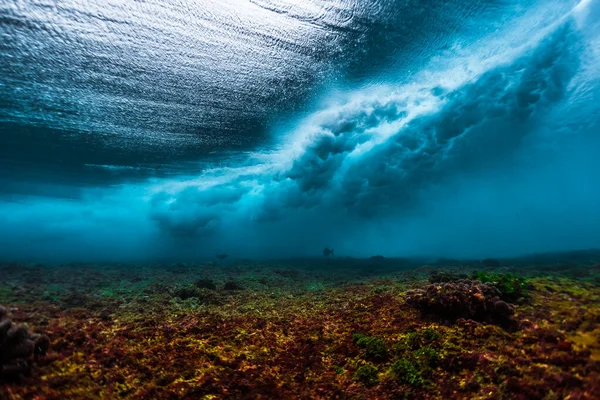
(487, 147)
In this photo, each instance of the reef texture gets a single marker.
(18, 348)
(463, 299)
(301, 329)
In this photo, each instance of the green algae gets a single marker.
(407, 372)
(511, 286)
(427, 356)
(338, 370)
(418, 339)
(368, 374)
(316, 286)
(375, 347)
(301, 342)
(6, 293)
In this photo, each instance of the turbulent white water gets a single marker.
(482, 141)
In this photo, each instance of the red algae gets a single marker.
(123, 332)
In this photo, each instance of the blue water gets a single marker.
(272, 128)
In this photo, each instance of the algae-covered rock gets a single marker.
(463, 299)
(18, 348)
(367, 374)
(510, 286)
(407, 372)
(375, 348)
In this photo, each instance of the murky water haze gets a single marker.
(276, 128)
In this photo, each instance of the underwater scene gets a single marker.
(300, 199)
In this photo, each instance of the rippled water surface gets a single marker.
(166, 128)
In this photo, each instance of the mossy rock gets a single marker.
(375, 348)
(427, 356)
(367, 374)
(511, 286)
(408, 372)
(416, 340)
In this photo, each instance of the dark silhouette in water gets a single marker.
(232, 285)
(205, 284)
(18, 348)
(327, 252)
(222, 256)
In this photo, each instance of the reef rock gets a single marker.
(18, 348)
(463, 299)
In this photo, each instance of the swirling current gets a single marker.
(268, 128)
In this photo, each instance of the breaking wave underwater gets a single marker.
(487, 147)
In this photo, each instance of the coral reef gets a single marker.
(446, 276)
(512, 287)
(359, 336)
(463, 299)
(18, 348)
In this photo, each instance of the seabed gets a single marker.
(331, 328)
